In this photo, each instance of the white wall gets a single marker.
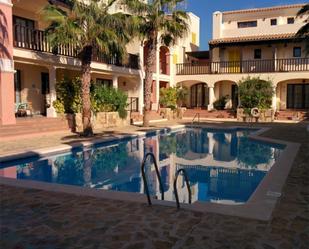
(225, 23)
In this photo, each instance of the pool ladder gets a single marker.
(197, 115)
(178, 172)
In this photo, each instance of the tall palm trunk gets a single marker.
(150, 63)
(86, 78)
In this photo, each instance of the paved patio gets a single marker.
(38, 219)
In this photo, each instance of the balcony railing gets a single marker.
(36, 40)
(250, 66)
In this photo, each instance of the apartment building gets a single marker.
(251, 42)
(30, 68)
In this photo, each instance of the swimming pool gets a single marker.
(224, 166)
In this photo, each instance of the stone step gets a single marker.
(31, 127)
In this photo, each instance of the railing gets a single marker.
(145, 178)
(249, 66)
(132, 104)
(184, 173)
(197, 115)
(36, 40)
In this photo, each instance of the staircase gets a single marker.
(190, 113)
(297, 115)
(31, 127)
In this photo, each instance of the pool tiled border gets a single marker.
(260, 205)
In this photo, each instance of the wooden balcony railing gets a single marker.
(250, 66)
(36, 40)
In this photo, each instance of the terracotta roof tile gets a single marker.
(265, 9)
(252, 38)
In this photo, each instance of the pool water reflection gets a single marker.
(223, 166)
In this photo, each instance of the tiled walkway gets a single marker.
(37, 219)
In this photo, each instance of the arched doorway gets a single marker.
(199, 95)
(164, 62)
(293, 94)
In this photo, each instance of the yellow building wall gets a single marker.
(31, 86)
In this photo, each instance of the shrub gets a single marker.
(255, 92)
(103, 99)
(68, 96)
(168, 97)
(182, 94)
(220, 103)
(107, 99)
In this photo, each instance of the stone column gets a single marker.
(211, 98)
(7, 92)
(50, 111)
(141, 95)
(115, 81)
(274, 100)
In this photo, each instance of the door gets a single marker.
(199, 95)
(23, 32)
(45, 92)
(298, 96)
(234, 92)
(17, 86)
(234, 61)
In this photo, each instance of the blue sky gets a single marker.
(205, 8)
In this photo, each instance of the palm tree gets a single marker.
(88, 27)
(157, 22)
(303, 32)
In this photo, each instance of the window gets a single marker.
(297, 52)
(273, 22)
(257, 53)
(290, 20)
(105, 82)
(248, 24)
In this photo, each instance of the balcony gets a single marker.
(36, 40)
(250, 66)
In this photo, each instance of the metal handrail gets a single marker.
(198, 118)
(175, 186)
(145, 179)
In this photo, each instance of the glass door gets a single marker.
(298, 96)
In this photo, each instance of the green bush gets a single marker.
(173, 96)
(182, 94)
(103, 99)
(107, 99)
(168, 97)
(255, 92)
(220, 103)
(68, 96)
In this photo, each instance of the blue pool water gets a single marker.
(223, 166)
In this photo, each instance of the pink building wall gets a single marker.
(7, 113)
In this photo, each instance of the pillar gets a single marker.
(141, 95)
(115, 81)
(7, 92)
(274, 100)
(50, 111)
(211, 98)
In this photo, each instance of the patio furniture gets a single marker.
(24, 109)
